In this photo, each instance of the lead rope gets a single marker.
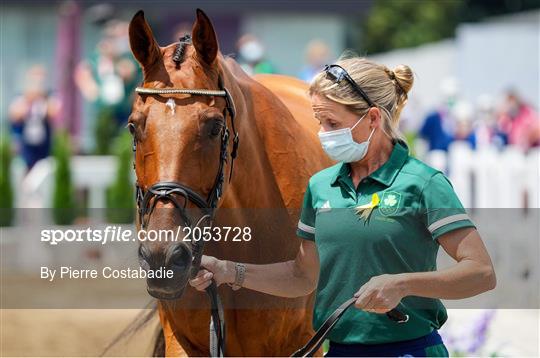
(217, 323)
(315, 342)
(217, 318)
(313, 345)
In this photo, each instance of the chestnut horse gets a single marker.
(177, 141)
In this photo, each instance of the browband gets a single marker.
(200, 92)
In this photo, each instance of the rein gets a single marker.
(313, 345)
(147, 200)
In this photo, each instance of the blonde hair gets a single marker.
(386, 88)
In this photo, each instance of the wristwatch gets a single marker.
(239, 277)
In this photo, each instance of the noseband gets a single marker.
(147, 199)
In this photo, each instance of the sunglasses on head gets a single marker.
(338, 74)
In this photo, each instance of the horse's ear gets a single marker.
(204, 38)
(141, 39)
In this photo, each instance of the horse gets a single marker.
(180, 139)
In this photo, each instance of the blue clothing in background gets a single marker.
(433, 131)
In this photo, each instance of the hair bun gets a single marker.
(404, 77)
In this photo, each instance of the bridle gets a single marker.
(147, 199)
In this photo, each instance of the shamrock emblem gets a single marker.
(390, 200)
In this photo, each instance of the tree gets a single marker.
(120, 195)
(105, 130)
(407, 23)
(64, 206)
(6, 190)
(395, 24)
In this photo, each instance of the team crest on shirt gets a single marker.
(389, 204)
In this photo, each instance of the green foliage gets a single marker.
(120, 195)
(395, 24)
(6, 190)
(407, 23)
(411, 137)
(105, 130)
(63, 207)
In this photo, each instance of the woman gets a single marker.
(372, 225)
(32, 115)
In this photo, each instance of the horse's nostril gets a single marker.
(144, 257)
(180, 257)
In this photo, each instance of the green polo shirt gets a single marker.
(417, 205)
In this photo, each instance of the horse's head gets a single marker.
(181, 141)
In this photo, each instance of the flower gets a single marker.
(468, 336)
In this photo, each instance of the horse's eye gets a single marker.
(217, 126)
(131, 128)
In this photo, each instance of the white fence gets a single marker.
(488, 178)
(485, 178)
(93, 173)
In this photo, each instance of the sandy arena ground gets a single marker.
(88, 332)
(62, 332)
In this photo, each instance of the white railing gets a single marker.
(485, 178)
(93, 173)
(488, 178)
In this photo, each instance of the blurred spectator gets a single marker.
(488, 132)
(108, 80)
(110, 76)
(519, 122)
(32, 115)
(438, 126)
(317, 55)
(462, 114)
(252, 58)
(100, 14)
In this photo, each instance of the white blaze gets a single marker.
(172, 105)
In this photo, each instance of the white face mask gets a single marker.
(340, 145)
(252, 51)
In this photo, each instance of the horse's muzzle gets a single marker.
(178, 258)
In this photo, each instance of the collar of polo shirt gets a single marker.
(387, 172)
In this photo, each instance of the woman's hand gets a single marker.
(221, 271)
(381, 293)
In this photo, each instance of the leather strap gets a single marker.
(217, 322)
(317, 340)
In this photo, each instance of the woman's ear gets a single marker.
(374, 116)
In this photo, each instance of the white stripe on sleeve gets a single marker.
(306, 228)
(447, 220)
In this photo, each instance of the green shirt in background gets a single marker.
(417, 204)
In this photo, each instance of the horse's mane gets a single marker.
(178, 56)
